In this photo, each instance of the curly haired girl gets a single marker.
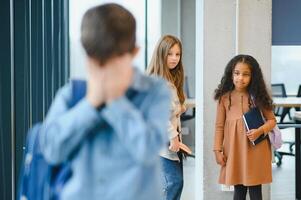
(243, 165)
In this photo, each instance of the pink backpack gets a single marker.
(274, 134)
(275, 137)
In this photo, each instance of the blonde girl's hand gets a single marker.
(174, 144)
(183, 109)
(220, 158)
(253, 134)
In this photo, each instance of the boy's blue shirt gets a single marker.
(119, 145)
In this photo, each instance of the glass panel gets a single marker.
(153, 26)
(286, 62)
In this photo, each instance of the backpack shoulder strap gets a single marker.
(253, 100)
(32, 138)
(79, 88)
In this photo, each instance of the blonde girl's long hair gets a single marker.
(158, 64)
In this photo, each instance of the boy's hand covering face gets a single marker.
(117, 79)
(95, 91)
(109, 82)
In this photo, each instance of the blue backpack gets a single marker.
(38, 179)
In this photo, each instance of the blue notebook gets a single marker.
(253, 120)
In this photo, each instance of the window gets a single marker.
(286, 62)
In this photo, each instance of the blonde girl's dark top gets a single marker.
(246, 164)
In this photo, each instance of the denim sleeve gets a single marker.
(142, 130)
(64, 128)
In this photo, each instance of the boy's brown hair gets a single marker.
(107, 31)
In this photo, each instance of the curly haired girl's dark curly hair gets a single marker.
(257, 87)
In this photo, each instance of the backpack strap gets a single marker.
(253, 100)
(79, 88)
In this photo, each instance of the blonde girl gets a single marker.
(166, 62)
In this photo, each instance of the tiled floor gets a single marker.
(188, 190)
(282, 188)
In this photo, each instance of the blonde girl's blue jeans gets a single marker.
(172, 179)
